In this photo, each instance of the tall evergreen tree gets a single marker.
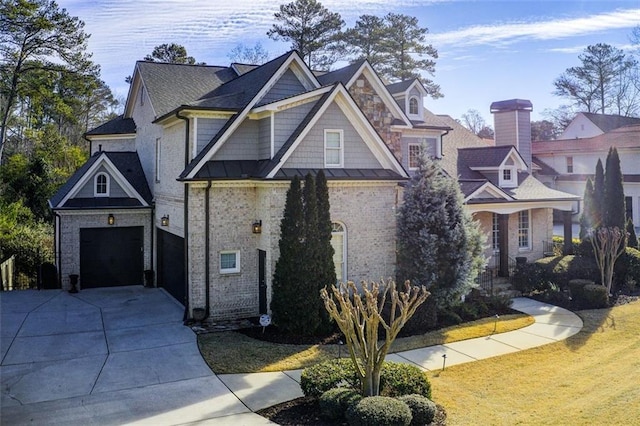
(598, 196)
(439, 245)
(614, 207)
(587, 217)
(287, 296)
(309, 261)
(327, 269)
(632, 237)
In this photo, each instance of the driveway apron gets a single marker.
(106, 356)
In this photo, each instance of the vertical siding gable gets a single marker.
(287, 121)
(310, 152)
(115, 190)
(207, 129)
(242, 144)
(264, 138)
(288, 85)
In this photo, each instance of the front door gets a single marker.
(262, 281)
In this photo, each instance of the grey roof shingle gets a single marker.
(606, 122)
(116, 126)
(342, 75)
(400, 86)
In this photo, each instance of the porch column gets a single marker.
(503, 233)
(567, 247)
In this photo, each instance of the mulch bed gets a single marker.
(273, 335)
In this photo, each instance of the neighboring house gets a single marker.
(566, 163)
(513, 207)
(190, 182)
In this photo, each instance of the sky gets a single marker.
(487, 50)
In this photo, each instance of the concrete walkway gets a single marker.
(122, 356)
(552, 324)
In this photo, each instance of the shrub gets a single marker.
(499, 304)
(560, 269)
(530, 277)
(576, 287)
(379, 411)
(397, 379)
(595, 296)
(423, 410)
(627, 269)
(335, 402)
(319, 378)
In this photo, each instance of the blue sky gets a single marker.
(488, 50)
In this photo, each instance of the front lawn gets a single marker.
(591, 378)
(232, 352)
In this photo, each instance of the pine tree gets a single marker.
(614, 208)
(632, 238)
(598, 196)
(287, 297)
(587, 217)
(327, 271)
(439, 246)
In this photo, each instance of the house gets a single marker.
(566, 163)
(190, 182)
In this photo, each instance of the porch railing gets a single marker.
(551, 248)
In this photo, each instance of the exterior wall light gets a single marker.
(256, 228)
(111, 220)
(164, 220)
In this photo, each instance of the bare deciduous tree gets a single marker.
(608, 245)
(358, 313)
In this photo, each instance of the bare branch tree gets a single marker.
(608, 245)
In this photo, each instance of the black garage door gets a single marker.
(171, 264)
(111, 256)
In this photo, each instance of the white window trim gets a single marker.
(417, 113)
(95, 185)
(507, 183)
(495, 233)
(409, 154)
(344, 277)
(529, 231)
(230, 270)
(341, 149)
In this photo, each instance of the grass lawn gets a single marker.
(591, 378)
(231, 352)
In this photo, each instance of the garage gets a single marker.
(171, 264)
(111, 257)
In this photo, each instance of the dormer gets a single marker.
(409, 95)
(499, 165)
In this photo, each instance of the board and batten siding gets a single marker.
(288, 85)
(310, 152)
(242, 144)
(207, 129)
(115, 190)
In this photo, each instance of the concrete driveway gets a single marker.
(106, 356)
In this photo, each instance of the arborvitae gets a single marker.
(598, 196)
(439, 246)
(586, 219)
(632, 238)
(327, 271)
(309, 321)
(614, 208)
(287, 294)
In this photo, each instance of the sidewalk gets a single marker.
(552, 324)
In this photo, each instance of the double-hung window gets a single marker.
(333, 148)
(524, 230)
(569, 164)
(414, 155)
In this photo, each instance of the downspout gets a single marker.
(56, 245)
(186, 220)
(152, 231)
(446, 132)
(207, 257)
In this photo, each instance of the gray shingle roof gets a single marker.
(606, 122)
(342, 75)
(488, 156)
(400, 86)
(116, 126)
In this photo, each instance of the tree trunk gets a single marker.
(371, 382)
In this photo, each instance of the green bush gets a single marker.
(397, 379)
(627, 270)
(423, 410)
(319, 378)
(595, 296)
(379, 411)
(530, 277)
(560, 269)
(335, 402)
(576, 287)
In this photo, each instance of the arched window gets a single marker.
(413, 106)
(339, 244)
(101, 185)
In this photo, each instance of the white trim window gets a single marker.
(333, 148)
(415, 150)
(101, 185)
(524, 230)
(569, 164)
(495, 233)
(158, 163)
(339, 244)
(414, 108)
(230, 261)
(507, 177)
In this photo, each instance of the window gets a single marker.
(506, 174)
(158, 159)
(414, 155)
(569, 164)
(333, 149)
(413, 106)
(524, 230)
(101, 185)
(507, 177)
(229, 261)
(495, 233)
(339, 244)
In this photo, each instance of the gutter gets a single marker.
(186, 315)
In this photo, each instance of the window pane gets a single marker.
(523, 229)
(332, 139)
(228, 261)
(414, 154)
(333, 156)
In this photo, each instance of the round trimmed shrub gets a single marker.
(335, 402)
(319, 378)
(595, 296)
(379, 411)
(576, 287)
(397, 379)
(423, 410)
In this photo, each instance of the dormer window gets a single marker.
(101, 185)
(507, 177)
(413, 106)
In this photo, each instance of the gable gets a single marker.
(87, 190)
(287, 85)
(241, 144)
(287, 121)
(310, 152)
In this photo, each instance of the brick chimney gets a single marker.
(512, 125)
